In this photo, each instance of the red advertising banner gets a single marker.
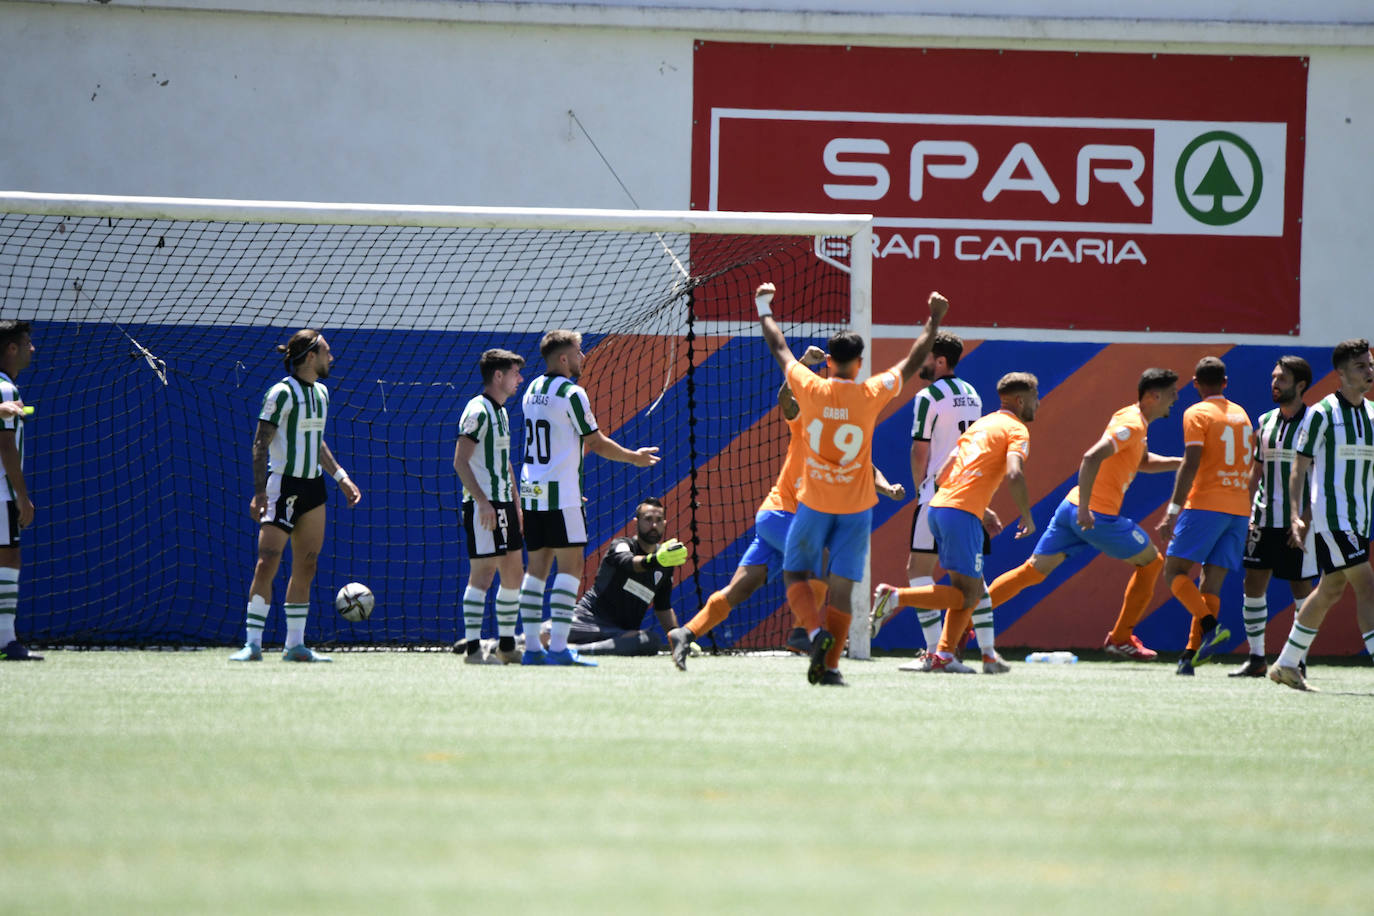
(1060, 190)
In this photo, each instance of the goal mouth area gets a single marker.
(156, 321)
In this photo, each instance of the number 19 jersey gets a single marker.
(557, 416)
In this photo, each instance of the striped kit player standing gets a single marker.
(1267, 551)
(491, 515)
(16, 351)
(939, 415)
(558, 423)
(290, 458)
(1336, 458)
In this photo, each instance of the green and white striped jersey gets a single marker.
(10, 392)
(1276, 438)
(298, 411)
(557, 416)
(486, 423)
(940, 413)
(1339, 438)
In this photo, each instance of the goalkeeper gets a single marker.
(635, 573)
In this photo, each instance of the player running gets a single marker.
(1210, 527)
(940, 413)
(290, 458)
(836, 496)
(1267, 551)
(993, 448)
(1336, 458)
(1090, 517)
(558, 425)
(491, 515)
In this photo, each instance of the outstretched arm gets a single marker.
(939, 305)
(599, 443)
(772, 334)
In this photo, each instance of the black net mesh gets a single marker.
(155, 344)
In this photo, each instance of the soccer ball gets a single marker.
(354, 602)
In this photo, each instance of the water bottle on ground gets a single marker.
(1053, 658)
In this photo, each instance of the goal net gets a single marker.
(155, 322)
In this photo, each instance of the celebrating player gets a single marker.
(1267, 551)
(1210, 527)
(1089, 516)
(940, 413)
(558, 422)
(764, 556)
(836, 496)
(993, 448)
(491, 516)
(16, 350)
(1336, 445)
(289, 453)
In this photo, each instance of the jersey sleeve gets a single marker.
(1018, 441)
(1123, 434)
(885, 386)
(1195, 423)
(9, 392)
(276, 405)
(1313, 429)
(621, 556)
(803, 382)
(922, 416)
(472, 423)
(580, 410)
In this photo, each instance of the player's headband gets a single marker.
(314, 345)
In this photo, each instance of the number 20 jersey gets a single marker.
(557, 415)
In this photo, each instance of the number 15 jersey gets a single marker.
(557, 416)
(1223, 430)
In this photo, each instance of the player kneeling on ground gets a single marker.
(636, 572)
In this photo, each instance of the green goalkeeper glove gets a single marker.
(670, 553)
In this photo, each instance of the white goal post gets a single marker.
(841, 240)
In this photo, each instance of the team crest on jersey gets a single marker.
(889, 382)
(471, 422)
(1123, 433)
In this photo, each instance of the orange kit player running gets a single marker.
(993, 448)
(1213, 523)
(1089, 516)
(836, 498)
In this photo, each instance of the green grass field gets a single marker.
(408, 782)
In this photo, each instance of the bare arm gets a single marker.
(1150, 463)
(1297, 530)
(1087, 477)
(1020, 494)
(349, 488)
(920, 460)
(462, 455)
(939, 306)
(666, 619)
(262, 440)
(1183, 482)
(14, 472)
(599, 443)
(884, 488)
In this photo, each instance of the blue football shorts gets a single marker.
(1113, 535)
(846, 536)
(959, 540)
(1214, 538)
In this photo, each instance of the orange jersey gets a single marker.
(1127, 431)
(1223, 430)
(783, 496)
(837, 420)
(980, 462)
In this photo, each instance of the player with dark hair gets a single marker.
(764, 556)
(558, 425)
(491, 513)
(1267, 551)
(1208, 517)
(635, 574)
(940, 413)
(1089, 517)
(837, 494)
(992, 449)
(289, 499)
(1336, 458)
(16, 352)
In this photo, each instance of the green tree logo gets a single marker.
(1218, 183)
